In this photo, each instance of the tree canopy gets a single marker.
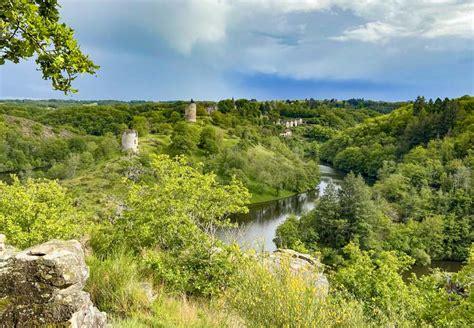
(32, 28)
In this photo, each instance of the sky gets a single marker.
(264, 49)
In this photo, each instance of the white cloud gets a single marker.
(187, 23)
(371, 32)
(415, 19)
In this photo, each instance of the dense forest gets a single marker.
(422, 201)
(153, 216)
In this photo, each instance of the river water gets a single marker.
(257, 228)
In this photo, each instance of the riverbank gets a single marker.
(269, 197)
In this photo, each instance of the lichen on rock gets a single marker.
(42, 286)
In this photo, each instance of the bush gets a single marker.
(35, 212)
(287, 235)
(209, 140)
(179, 208)
(375, 280)
(184, 139)
(205, 269)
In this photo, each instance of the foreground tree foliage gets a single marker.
(32, 27)
(35, 212)
(182, 197)
(173, 222)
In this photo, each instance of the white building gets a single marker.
(286, 134)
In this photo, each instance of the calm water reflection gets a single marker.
(257, 228)
(448, 266)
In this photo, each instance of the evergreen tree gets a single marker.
(418, 105)
(357, 207)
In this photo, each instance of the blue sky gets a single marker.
(264, 49)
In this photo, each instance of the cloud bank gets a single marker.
(217, 48)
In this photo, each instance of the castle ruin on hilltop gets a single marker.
(130, 141)
(190, 112)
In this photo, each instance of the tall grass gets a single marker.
(282, 298)
(259, 298)
(115, 285)
(182, 312)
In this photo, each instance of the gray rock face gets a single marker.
(303, 264)
(42, 286)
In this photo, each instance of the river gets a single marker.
(257, 227)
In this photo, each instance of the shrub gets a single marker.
(209, 140)
(35, 212)
(205, 269)
(287, 235)
(374, 279)
(178, 208)
(184, 139)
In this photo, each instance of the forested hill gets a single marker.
(421, 204)
(78, 142)
(444, 124)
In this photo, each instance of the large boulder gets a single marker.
(42, 286)
(304, 265)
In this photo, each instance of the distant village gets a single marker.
(288, 124)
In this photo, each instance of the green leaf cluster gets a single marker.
(32, 27)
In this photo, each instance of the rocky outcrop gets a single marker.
(304, 265)
(42, 286)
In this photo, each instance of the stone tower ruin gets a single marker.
(190, 112)
(130, 141)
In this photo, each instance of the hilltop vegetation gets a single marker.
(364, 148)
(240, 139)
